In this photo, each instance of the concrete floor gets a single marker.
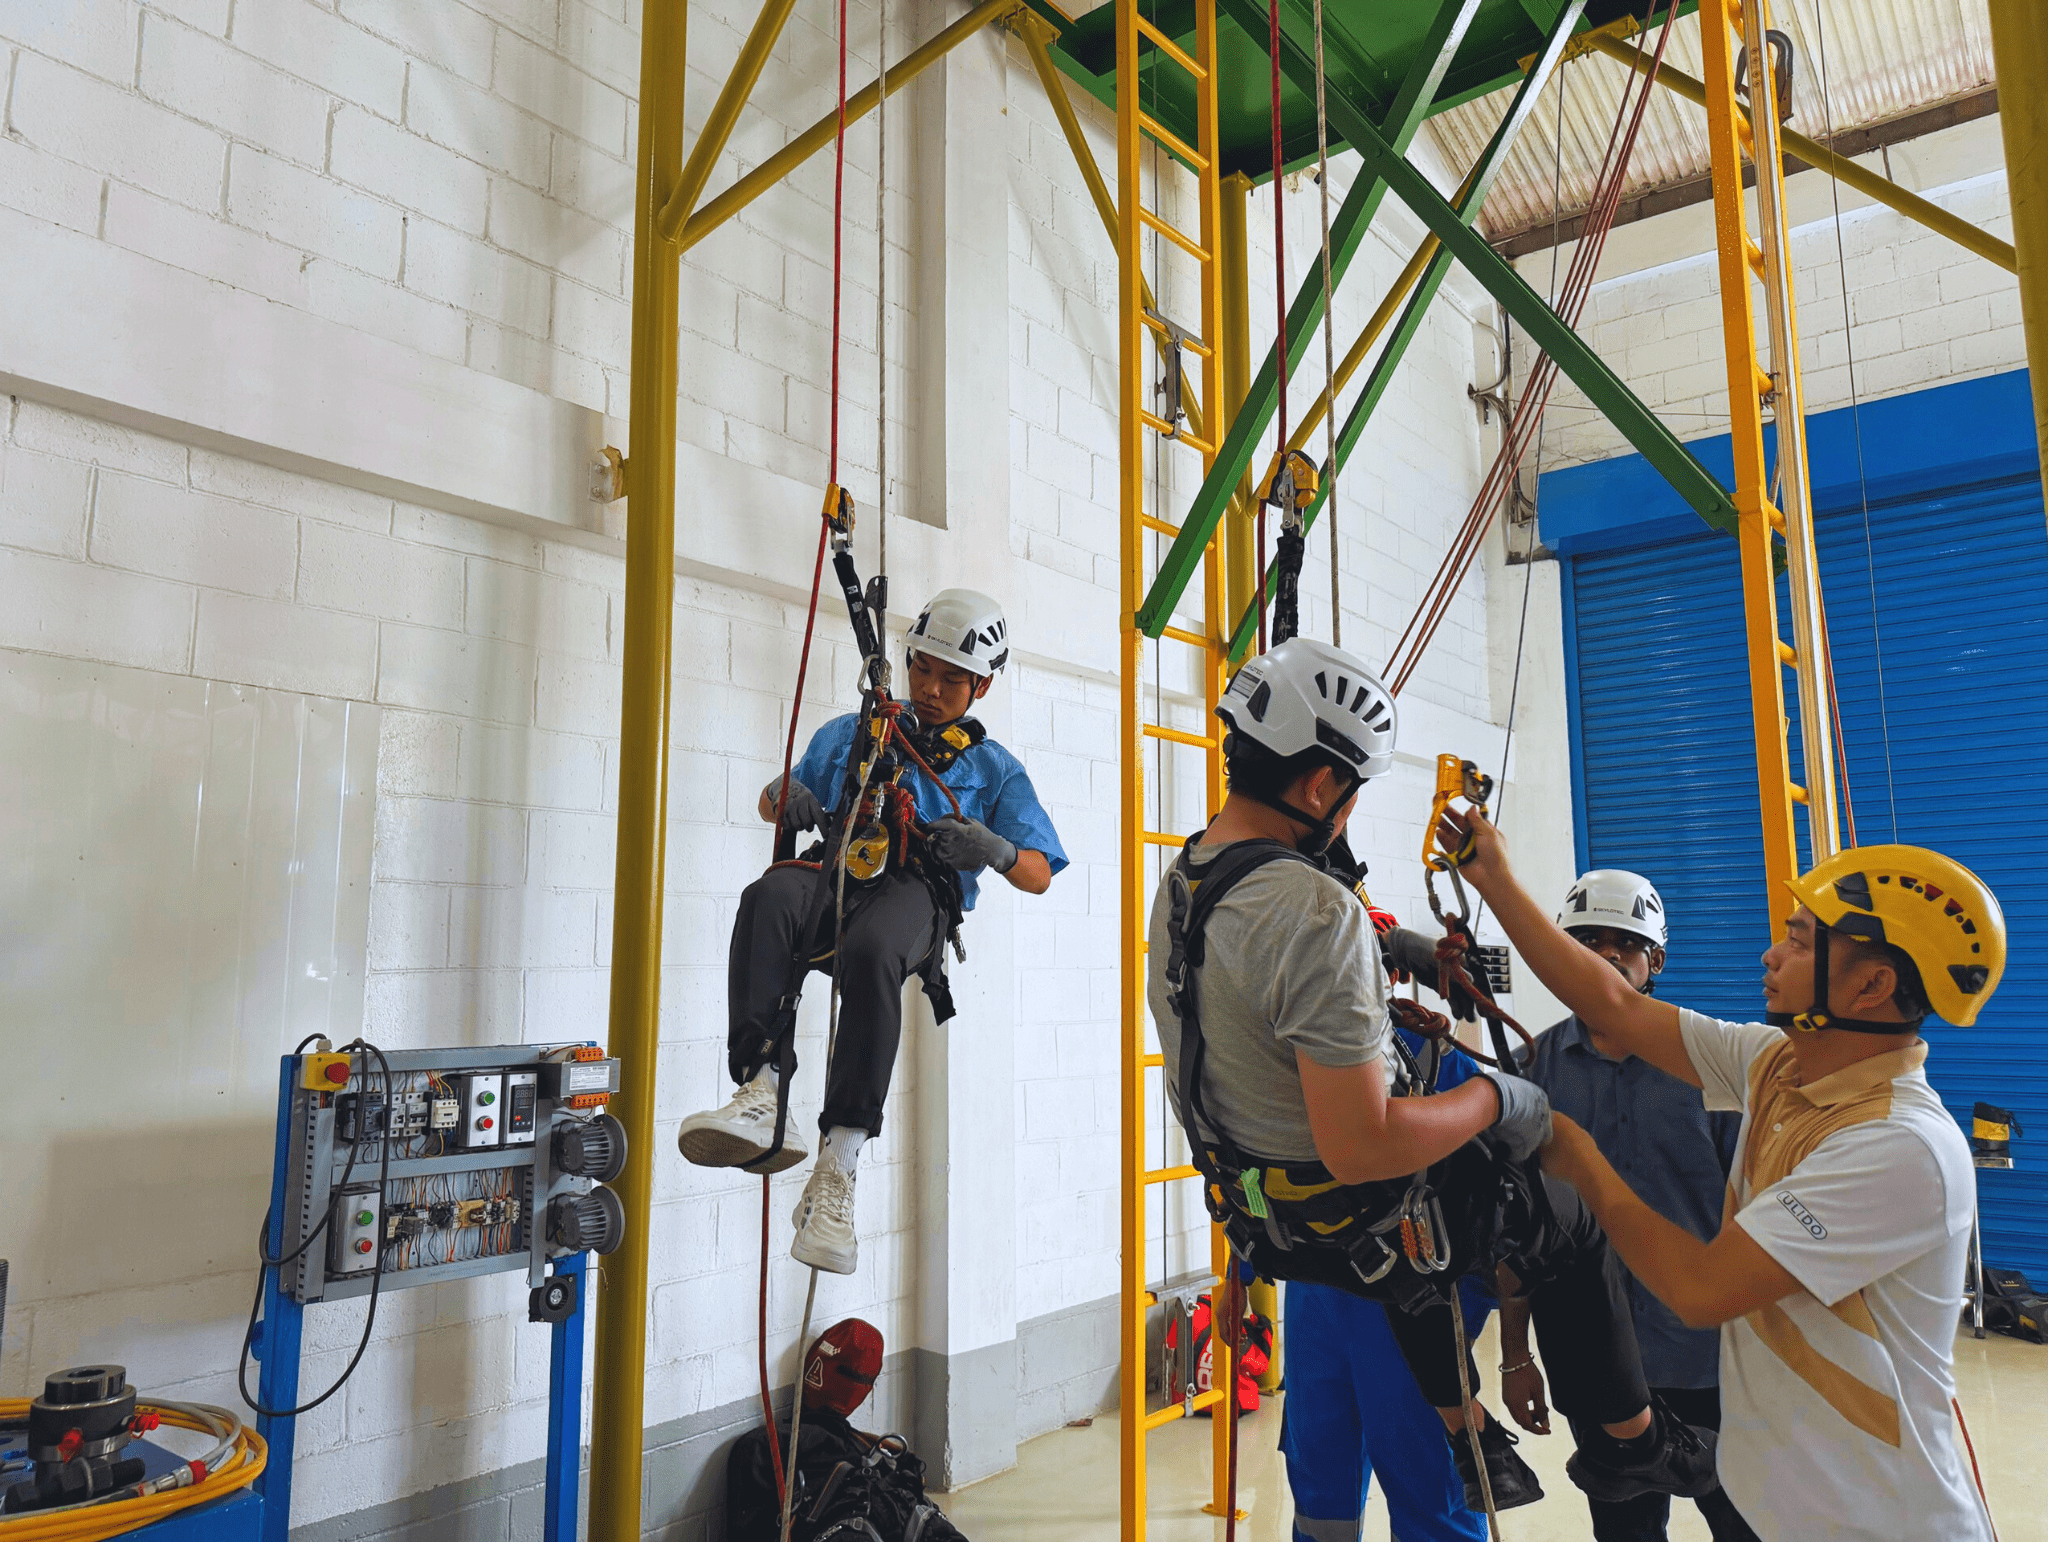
(1064, 1487)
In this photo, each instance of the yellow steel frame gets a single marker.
(1136, 424)
(2019, 33)
(1732, 131)
(619, 1395)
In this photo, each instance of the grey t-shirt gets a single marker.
(1291, 964)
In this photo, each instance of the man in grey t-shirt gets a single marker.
(1271, 1001)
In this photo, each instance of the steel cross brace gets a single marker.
(1624, 409)
(1404, 118)
(1491, 162)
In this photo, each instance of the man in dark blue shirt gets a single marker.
(1659, 1136)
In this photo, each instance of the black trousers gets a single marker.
(890, 929)
(1644, 1518)
(1544, 1232)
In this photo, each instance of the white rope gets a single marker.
(1856, 422)
(1329, 344)
(1468, 1409)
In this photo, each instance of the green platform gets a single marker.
(1368, 48)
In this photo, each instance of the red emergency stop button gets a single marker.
(337, 1072)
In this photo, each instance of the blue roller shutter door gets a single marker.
(1667, 782)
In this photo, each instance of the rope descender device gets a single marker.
(1455, 778)
(1289, 487)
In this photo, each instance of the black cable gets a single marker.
(266, 1262)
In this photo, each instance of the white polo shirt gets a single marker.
(1835, 1417)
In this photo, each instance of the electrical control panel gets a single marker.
(483, 1116)
(423, 1165)
(522, 1099)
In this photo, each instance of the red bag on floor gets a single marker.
(1254, 1354)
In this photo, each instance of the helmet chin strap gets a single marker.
(1320, 831)
(1818, 1017)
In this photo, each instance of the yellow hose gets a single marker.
(90, 1523)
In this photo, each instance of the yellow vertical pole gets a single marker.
(1214, 220)
(1131, 376)
(1239, 563)
(2019, 37)
(1725, 133)
(618, 1414)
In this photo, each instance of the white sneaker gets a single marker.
(824, 1221)
(741, 1132)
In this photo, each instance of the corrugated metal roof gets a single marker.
(1881, 58)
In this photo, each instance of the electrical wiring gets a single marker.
(267, 1263)
(234, 1461)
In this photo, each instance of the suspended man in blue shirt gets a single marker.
(894, 923)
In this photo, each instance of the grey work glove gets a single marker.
(1524, 1122)
(803, 811)
(1410, 953)
(969, 845)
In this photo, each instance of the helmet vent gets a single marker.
(1323, 684)
(1342, 743)
(1854, 889)
(1969, 978)
(1262, 698)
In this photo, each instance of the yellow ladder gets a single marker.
(1200, 653)
(1733, 130)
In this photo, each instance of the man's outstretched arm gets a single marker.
(1577, 976)
(1705, 1283)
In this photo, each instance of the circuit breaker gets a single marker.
(483, 1113)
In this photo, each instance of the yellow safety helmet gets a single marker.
(1930, 906)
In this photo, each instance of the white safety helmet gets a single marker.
(1305, 695)
(964, 628)
(1626, 901)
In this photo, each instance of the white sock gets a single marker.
(842, 1147)
(768, 1077)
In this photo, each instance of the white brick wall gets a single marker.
(1922, 309)
(456, 179)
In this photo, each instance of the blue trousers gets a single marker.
(1353, 1406)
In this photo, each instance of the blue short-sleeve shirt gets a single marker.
(992, 785)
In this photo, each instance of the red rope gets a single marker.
(1279, 297)
(1971, 1446)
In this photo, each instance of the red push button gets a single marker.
(363, 1245)
(337, 1072)
(484, 1123)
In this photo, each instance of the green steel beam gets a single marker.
(1491, 163)
(1410, 107)
(1623, 408)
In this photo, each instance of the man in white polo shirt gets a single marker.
(1836, 1287)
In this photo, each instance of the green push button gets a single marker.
(365, 1217)
(486, 1099)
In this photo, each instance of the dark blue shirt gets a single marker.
(1669, 1149)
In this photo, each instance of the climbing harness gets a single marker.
(1292, 1220)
